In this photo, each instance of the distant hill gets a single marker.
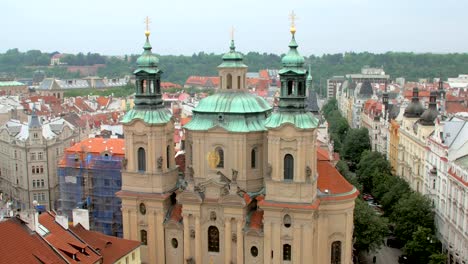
(177, 68)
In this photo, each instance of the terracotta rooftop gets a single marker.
(70, 247)
(116, 146)
(21, 245)
(330, 179)
(111, 248)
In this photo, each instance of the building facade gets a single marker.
(28, 160)
(255, 189)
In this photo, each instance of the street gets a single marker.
(386, 255)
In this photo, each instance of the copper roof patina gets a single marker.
(232, 59)
(153, 117)
(235, 111)
(301, 120)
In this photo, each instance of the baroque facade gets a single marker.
(255, 188)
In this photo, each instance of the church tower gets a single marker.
(232, 72)
(149, 173)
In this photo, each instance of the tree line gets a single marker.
(407, 214)
(178, 67)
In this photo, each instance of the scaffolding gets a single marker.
(90, 181)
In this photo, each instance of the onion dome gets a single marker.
(430, 115)
(366, 89)
(147, 58)
(415, 108)
(232, 59)
(293, 59)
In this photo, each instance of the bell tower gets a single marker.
(149, 173)
(292, 161)
(232, 71)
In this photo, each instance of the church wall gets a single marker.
(174, 244)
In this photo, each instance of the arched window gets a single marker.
(141, 159)
(168, 156)
(288, 167)
(158, 86)
(229, 81)
(213, 239)
(290, 87)
(238, 82)
(253, 158)
(287, 221)
(286, 252)
(300, 88)
(221, 157)
(336, 252)
(142, 86)
(143, 237)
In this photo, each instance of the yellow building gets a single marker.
(394, 142)
(255, 189)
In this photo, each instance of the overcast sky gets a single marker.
(116, 27)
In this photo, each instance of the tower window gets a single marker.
(141, 159)
(213, 239)
(143, 237)
(229, 81)
(300, 89)
(253, 158)
(286, 252)
(290, 87)
(238, 82)
(336, 252)
(221, 157)
(288, 167)
(142, 86)
(158, 86)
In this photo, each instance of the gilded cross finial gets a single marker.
(147, 22)
(293, 18)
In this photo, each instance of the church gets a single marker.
(256, 188)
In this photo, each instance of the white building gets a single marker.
(447, 185)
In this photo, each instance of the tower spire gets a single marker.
(292, 17)
(147, 31)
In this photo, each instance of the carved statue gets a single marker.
(124, 163)
(234, 237)
(308, 173)
(160, 162)
(234, 175)
(269, 170)
(213, 216)
(192, 233)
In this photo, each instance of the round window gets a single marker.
(174, 243)
(142, 208)
(254, 251)
(287, 221)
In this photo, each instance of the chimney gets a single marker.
(62, 220)
(31, 217)
(81, 216)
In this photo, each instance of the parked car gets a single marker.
(403, 259)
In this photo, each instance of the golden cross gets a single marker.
(292, 17)
(232, 33)
(147, 22)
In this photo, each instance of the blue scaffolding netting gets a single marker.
(90, 181)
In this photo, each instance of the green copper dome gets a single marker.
(232, 59)
(293, 59)
(147, 59)
(234, 111)
(232, 102)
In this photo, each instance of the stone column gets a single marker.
(227, 241)
(267, 243)
(152, 235)
(160, 243)
(297, 242)
(240, 241)
(186, 238)
(198, 240)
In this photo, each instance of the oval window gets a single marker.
(142, 208)
(254, 251)
(174, 243)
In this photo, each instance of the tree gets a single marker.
(369, 229)
(371, 164)
(411, 211)
(356, 141)
(438, 258)
(422, 246)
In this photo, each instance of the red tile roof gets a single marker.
(168, 85)
(103, 101)
(21, 245)
(111, 248)
(71, 248)
(330, 179)
(116, 146)
(204, 81)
